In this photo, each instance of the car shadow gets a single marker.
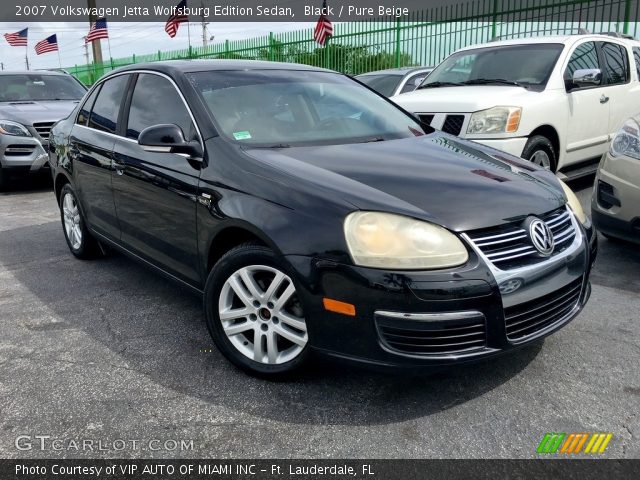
(28, 184)
(157, 330)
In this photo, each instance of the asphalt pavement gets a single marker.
(107, 359)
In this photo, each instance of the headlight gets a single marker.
(495, 120)
(627, 140)
(385, 240)
(7, 127)
(574, 203)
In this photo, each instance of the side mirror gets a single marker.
(168, 138)
(587, 77)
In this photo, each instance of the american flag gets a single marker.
(324, 27)
(49, 44)
(174, 21)
(97, 31)
(18, 39)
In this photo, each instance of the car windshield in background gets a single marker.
(276, 108)
(29, 87)
(383, 84)
(525, 65)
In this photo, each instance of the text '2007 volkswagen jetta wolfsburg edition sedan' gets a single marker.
(315, 215)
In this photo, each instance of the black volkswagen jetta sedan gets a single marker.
(313, 214)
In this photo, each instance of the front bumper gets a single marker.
(22, 154)
(512, 146)
(445, 308)
(616, 196)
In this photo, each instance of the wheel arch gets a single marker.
(232, 234)
(60, 181)
(550, 132)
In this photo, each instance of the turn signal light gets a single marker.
(339, 307)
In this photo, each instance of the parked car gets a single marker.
(556, 101)
(30, 103)
(313, 214)
(395, 81)
(616, 192)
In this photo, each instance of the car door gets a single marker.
(588, 122)
(155, 193)
(623, 94)
(91, 149)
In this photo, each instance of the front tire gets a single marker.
(539, 150)
(80, 241)
(254, 313)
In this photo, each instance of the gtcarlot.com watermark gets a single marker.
(54, 444)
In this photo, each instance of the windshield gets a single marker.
(275, 108)
(383, 84)
(524, 65)
(30, 87)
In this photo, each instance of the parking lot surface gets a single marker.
(109, 352)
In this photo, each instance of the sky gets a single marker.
(126, 38)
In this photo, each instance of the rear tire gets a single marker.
(80, 241)
(251, 289)
(3, 180)
(539, 150)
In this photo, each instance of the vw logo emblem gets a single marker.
(541, 237)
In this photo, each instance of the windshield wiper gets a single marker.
(278, 145)
(374, 139)
(439, 84)
(493, 81)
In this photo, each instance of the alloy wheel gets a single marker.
(541, 158)
(261, 315)
(71, 215)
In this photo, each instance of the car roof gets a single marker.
(38, 73)
(564, 39)
(174, 67)
(396, 71)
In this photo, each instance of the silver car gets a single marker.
(30, 103)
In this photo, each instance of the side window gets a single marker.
(85, 110)
(585, 56)
(155, 100)
(636, 57)
(412, 82)
(616, 63)
(106, 108)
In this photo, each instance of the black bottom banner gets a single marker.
(68, 469)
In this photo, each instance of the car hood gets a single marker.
(458, 184)
(28, 112)
(462, 99)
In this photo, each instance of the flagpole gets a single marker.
(59, 61)
(109, 47)
(26, 55)
(189, 33)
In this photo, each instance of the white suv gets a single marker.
(556, 101)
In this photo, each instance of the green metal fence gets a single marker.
(421, 38)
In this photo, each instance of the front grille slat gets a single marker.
(528, 318)
(43, 129)
(432, 338)
(509, 246)
(19, 150)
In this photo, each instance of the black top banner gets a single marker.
(310, 10)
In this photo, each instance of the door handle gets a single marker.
(604, 99)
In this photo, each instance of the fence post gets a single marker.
(271, 52)
(398, 32)
(494, 24)
(627, 16)
(133, 56)
(226, 48)
(159, 55)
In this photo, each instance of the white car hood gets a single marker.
(462, 99)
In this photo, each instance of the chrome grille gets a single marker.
(509, 246)
(432, 338)
(43, 129)
(530, 317)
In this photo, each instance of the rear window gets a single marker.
(34, 87)
(384, 84)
